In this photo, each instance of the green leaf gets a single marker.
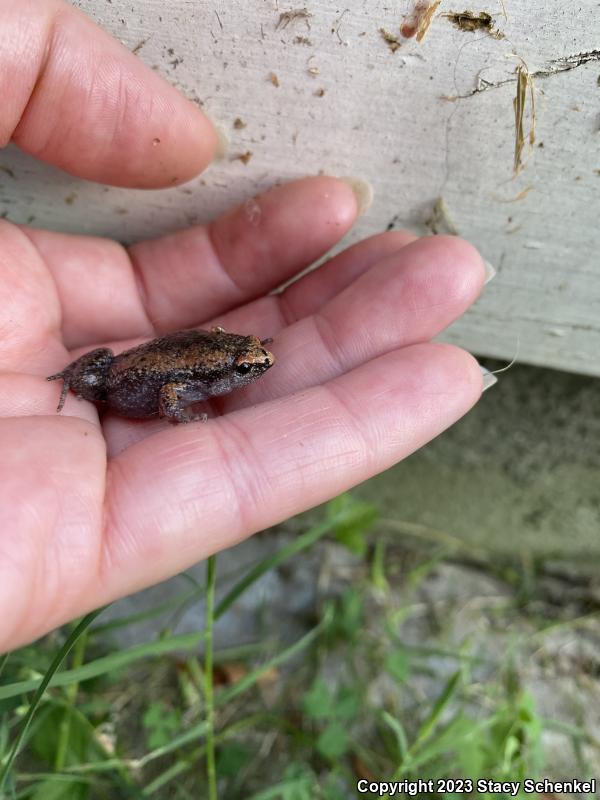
(397, 664)
(512, 747)
(378, 565)
(348, 615)
(231, 758)
(354, 540)
(355, 517)
(447, 740)
(298, 784)
(58, 789)
(161, 723)
(347, 704)
(81, 743)
(318, 701)
(333, 741)
(472, 757)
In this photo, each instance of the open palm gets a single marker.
(92, 509)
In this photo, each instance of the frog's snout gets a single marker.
(269, 359)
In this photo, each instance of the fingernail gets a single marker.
(363, 191)
(489, 271)
(222, 143)
(489, 379)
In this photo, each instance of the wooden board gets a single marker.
(346, 104)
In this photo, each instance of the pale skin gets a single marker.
(91, 510)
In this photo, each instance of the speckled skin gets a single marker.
(164, 376)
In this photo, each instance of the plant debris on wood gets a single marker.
(518, 197)
(468, 21)
(419, 20)
(312, 70)
(140, 44)
(243, 157)
(426, 19)
(286, 17)
(393, 42)
(524, 87)
(336, 27)
(440, 220)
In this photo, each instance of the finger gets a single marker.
(23, 395)
(409, 297)
(312, 291)
(189, 491)
(198, 273)
(97, 288)
(52, 478)
(75, 97)
(29, 326)
(30, 308)
(182, 280)
(268, 315)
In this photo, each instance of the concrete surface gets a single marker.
(518, 476)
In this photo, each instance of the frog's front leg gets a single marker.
(173, 399)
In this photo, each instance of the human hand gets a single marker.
(92, 509)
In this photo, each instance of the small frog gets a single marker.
(164, 376)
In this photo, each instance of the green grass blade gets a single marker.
(57, 777)
(178, 768)
(440, 704)
(209, 695)
(79, 630)
(249, 680)
(399, 734)
(296, 546)
(105, 664)
(180, 599)
(191, 760)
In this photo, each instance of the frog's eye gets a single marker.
(243, 368)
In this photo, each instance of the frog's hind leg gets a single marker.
(64, 376)
(173, 399)
(86, 376)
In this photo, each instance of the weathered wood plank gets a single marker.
(347, 105)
